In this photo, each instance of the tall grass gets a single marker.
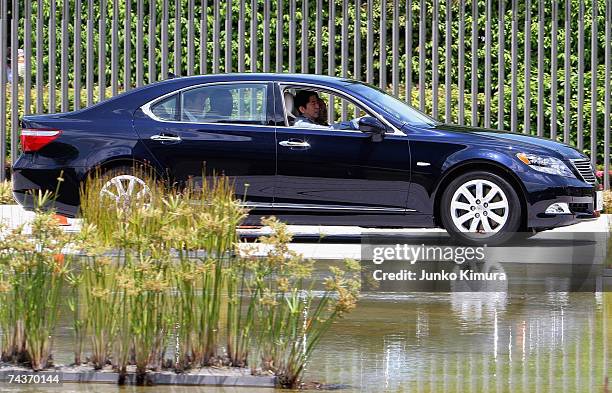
(33, 271)
(166, 284)
(6, 193)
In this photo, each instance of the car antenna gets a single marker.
(171, 75)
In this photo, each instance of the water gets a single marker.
(445, 342)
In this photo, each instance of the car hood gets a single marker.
(527, 143)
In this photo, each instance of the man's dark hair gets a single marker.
(302, 97)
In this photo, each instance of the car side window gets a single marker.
(166, 109)
(332, 111)
(233, 104)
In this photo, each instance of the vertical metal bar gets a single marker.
(540, 68)
(266, 37)
(203, 38)
(608, 61)
(527, 108)
(15, 77)
(89, 54)
(332, 42)
(64, 66)
(594, 98)
(102, 52)
(514, 69)
(39, 57)
(501, 64)
(332, 56)
(241, 36)
(77, 55)
(254, 38)
(553, 70)
(127, 47)
(395, 49)
(382, 77)
(115, 49)
(191, 37)
(178, 47)
(487, 72)
(139, 46)
(279, 36)
(152, 41)
(164, 40)
(345, 52)
(435, 26)
(461, 68)
(370, 45)
(408, 42)
(318, 40)
(305, 29)
(580, 125)
(566, 69)
(228, 36)
(422, 55)
(3, 77)
(215, 37)
(292, 11)
(27, 47)
(357, 42)
(474, 63)
(52, 46)
(447, 63)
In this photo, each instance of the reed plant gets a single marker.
(172, 267)
(291, 316)
(6, 193)
(34, 269)
(172, 257)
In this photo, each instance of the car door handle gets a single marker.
(295, 143)
(166, 138)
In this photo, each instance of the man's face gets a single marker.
(311, 109)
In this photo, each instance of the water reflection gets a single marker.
(449, 342)
(470, 342)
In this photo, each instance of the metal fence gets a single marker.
(535, 67)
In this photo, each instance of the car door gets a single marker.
(344, 172)
(219, 128)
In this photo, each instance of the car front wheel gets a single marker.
(480, 208)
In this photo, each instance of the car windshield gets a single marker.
(396, 108)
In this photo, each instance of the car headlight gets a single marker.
(550, 165)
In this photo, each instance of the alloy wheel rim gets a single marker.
(479, 206)
(125, 188)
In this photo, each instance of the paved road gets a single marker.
(339, 242)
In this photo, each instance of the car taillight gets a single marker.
(34, 140)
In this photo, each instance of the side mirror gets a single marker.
(373, 126)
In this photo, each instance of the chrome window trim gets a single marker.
(146, 108)
(297, 206)
(282, 85)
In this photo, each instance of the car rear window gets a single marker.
(166, 109)
(242, 103)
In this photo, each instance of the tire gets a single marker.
(480, 208)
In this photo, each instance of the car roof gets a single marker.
(134, 98)
(274, 77)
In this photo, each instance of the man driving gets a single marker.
(307, 103)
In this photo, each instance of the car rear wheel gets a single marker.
(125, 186)
(480, 208)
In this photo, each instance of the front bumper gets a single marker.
(580, 199)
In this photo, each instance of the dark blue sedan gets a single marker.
(312, 149)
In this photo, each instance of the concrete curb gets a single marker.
(204, 376)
